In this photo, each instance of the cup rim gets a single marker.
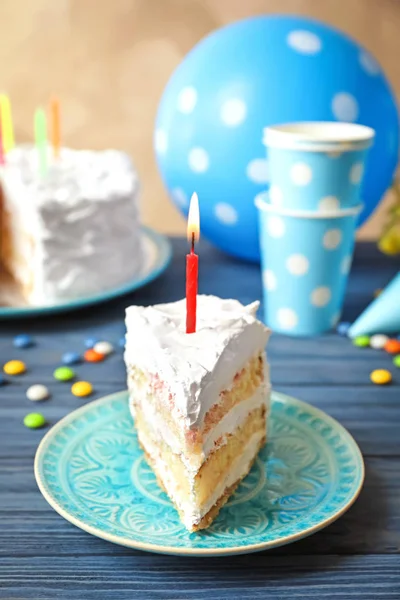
(262, 204)
(319, 135)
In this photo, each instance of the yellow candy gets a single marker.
(82, 388)
(14, 367)
(381, 376)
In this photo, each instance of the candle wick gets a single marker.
(192, 249)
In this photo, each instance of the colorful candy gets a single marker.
(37, 392)
(14, 367)
(90, 342)
(396, 361)
(103, 348)
(92, 356)
(23, 341)
(381, 377)
(122, 342)
(392, 346)
(71, 358)
(63, 374)
(34, 420)
(362, 341)
(82, 388)
(343, 328)
(378, 341)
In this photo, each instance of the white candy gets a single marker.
(37, 392)
(378, 341)
(103, 348)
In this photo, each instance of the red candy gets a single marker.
(93, 356)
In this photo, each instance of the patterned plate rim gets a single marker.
(178, 550)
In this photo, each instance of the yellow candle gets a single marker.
(6, 123)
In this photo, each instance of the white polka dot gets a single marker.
(226, 213)
(276, 226)
(346, 264)
(161, 141)
(320, 296)
(301, 174)
(198, 160)
(233, 112)
(297, 264)
(187, 100)
(180, 198)
(335, 319)
(287, 318)
(257, 170)
(332, 239)
(329, 203)
(345, 107)
(275, 195)
(304, 42)
(356, 173)
(269, 280)
(368, 63)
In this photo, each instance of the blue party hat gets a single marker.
(382, 315)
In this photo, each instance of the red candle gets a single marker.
(192, 265)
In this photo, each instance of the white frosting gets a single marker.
(195, 367)
(76, 228)
(191, 513)
(233, 419)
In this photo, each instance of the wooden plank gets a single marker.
(370, 413)
(249, 577)
(30, 527)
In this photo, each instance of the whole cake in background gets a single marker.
(73, 231)
(200, 401)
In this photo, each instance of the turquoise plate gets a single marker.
(90, 469)
(158, 256)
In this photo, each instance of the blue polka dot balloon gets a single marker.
(251, 74)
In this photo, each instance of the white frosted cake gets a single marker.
(75, 230)
(200, 401)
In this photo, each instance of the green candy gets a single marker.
(34, 420)
(361, 341)
(396, 361)
(63, 374)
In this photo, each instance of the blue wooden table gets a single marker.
(44, 557)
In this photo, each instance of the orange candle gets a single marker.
(55, 128)
(192, 265)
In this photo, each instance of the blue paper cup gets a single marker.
(305, 258)
(317, 166)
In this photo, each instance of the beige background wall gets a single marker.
(108, 61)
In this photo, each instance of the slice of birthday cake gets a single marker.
(199, 401)
(72, 231)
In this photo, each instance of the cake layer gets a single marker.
(249, 390)
(190, 371)
(195, 494)
(73, 231)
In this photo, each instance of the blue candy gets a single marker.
(343, 328)
(90, 342)
(122, 342)
(71, 358)
(23, 341)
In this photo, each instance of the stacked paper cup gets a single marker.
(308, 221)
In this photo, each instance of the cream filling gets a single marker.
(226, 426)
(191, 513)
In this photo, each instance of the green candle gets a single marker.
(41, 139)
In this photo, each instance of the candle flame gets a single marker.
(193, 227)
